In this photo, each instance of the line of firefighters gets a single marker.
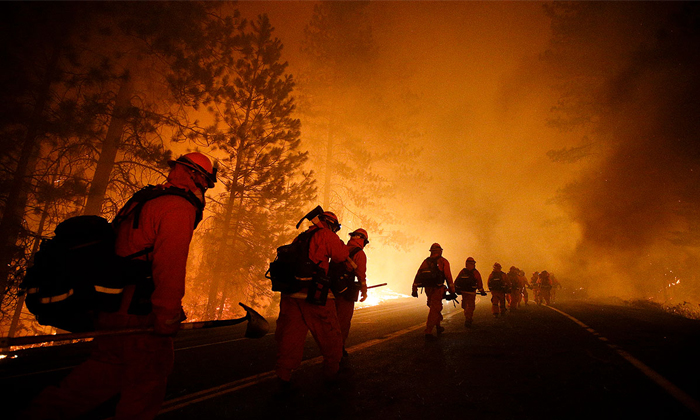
(137, 367)
(508, 290)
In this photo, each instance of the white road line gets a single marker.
(667, 385)
(214, 392)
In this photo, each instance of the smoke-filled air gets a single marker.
(556, 136)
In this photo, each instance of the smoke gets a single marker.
(636, 202)
(566, 143)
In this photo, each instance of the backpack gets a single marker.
(292, 268)
(514, 281)
(466, 281)
(76, 274)
(431, 276)
(545, 281)
(343, 280)
(497, 282)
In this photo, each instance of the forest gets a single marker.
(102, 94)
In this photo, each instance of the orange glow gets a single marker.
(377, 297)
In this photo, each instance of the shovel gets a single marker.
(257, 328)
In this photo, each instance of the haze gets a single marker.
(547, 136)
(486, 96)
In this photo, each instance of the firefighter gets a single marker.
(345, 302)
(536, 287)
(515, 286)
(431, 275)
(468, 281)
(498, 285)
(297, 316)
(555, 285)
(525, 285)
(545, 285)
(137, 366)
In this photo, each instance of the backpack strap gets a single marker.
(150, 192)
(354, 251)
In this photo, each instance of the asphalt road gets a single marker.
(575, 359)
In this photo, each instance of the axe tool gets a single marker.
(310, 216)
(257, 328)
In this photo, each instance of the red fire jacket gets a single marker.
(166, 224)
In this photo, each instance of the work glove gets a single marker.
(169, 327)
(363, 292)
(414, 293)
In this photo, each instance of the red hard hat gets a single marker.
(470, 260)
(200, 163)
(435, 246)
(332, 220)
(360, 231)
(329, 215)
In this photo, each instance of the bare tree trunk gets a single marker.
(214, 284)
(329, 168)
(11, 223)
(35, 248)
(232, 224)
(228, 215)
(110, 147)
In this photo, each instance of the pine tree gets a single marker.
(258, 141)
(99, 101)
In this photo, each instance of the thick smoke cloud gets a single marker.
(508, 93)
(636, 203)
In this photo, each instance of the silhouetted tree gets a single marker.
(105, 85)
(261, 167)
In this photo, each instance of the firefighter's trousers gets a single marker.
(345, 309)
(434, 295)
(468, 305)
(514, 299)
(135, 366)
(296, 318)
(498, 301)
(545, 294)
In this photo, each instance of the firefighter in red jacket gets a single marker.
(498, 285)
(431, 275)
(555, 285)
(468, 281)
(545, 285)
(513, 276)
(137, 366)
(345, 303)
(536, 287)
(525, 285)
(297, 316)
